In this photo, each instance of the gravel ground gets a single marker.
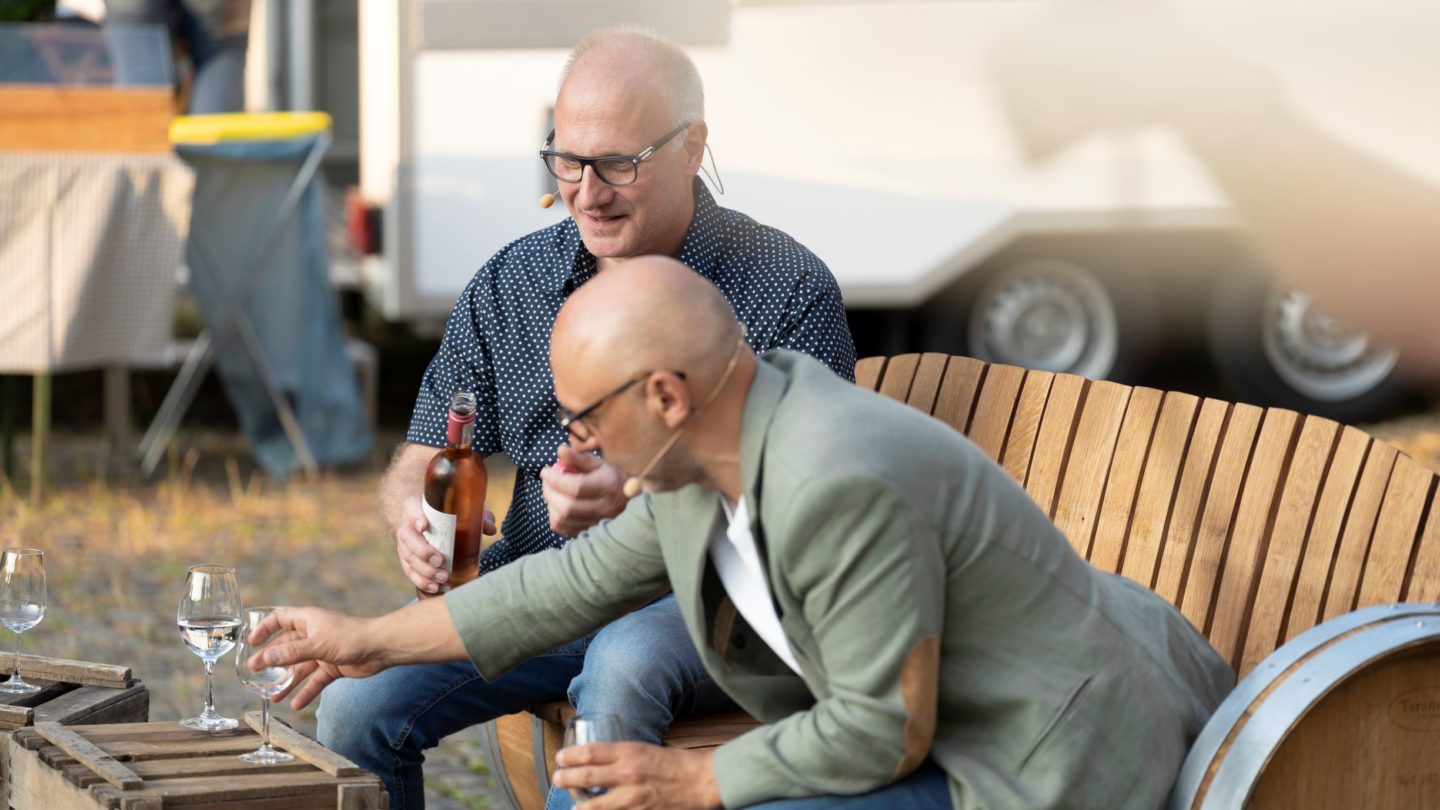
(117, 551)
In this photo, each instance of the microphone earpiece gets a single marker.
(548, 199)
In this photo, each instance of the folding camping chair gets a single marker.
(232, 327)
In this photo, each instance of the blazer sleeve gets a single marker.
(870, 574)
(540, 601)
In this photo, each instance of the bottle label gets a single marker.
(441, 533)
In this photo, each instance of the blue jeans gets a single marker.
(928, 788)
(642, 667)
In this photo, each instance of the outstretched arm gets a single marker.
(497, 621)
(323, 646)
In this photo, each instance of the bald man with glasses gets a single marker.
(629, 137)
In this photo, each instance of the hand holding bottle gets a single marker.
(422, 564)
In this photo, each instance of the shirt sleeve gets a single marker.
(866, 551)
(814, 319)
(543, 600)
(462, 364)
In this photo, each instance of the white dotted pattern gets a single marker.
(498, 338)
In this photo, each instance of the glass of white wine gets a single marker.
(583, 729)
(266, 682)
(209, 619)
(22, 603)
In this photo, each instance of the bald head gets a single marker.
(650, 312)
(644, 62)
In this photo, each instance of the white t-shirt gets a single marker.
(737, 560)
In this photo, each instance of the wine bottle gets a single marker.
(454, 499)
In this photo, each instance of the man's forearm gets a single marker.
(404, 478)
(420, 633)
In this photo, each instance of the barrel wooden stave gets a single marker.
(508, 745)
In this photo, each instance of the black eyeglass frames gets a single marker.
(574, 422)
(615, 170)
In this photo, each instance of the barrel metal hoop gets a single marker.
(537, 750)
(1291, 700)
(1233, 708)
(490, 748)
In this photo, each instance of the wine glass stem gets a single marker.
(17, 655)
(209, 696)
(264, 722)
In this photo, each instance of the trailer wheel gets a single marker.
(1278, 348)
(1056, 315)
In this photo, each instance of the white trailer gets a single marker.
(868, 130)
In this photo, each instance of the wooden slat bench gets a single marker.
(1256, 523)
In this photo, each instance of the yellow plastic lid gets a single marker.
(209, 129)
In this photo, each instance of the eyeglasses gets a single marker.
(615, 170)
(574, 421)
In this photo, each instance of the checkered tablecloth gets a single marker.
(89, 247)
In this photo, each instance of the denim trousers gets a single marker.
(642, 667)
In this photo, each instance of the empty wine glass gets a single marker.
(209, 618)
(22, 603)
(583, 729)
(266, 682)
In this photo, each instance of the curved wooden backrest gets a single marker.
(1256, 523)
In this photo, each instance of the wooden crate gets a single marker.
(156, 766)
(73, 693)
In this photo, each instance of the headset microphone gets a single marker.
(635, 483)
(548, 199)
(633, 487)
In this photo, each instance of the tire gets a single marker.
(1057, 315)
(1278, 349)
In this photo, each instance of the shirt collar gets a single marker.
(699, 251)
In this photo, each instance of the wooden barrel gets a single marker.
(520, 751)
(1346, 715)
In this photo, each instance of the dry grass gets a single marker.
(1417, 435)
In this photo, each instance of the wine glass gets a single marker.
(267, 682)
(209, 618)
(583, 729)
(22, 603)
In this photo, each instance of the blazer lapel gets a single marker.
(766, 391)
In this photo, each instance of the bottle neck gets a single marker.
(460, 434)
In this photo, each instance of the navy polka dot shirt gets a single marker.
(497, 340)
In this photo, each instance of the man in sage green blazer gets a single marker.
(856, 575)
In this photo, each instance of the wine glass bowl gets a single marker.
(583, 729)
(266, 682)
(22, 603)
(209, 621)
